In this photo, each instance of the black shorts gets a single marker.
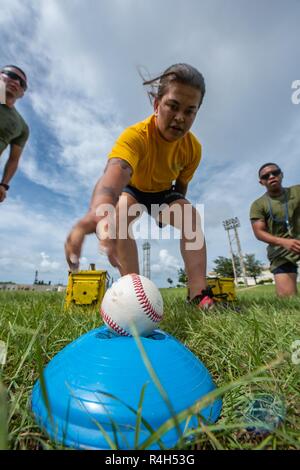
(288, 267)
(158, 199)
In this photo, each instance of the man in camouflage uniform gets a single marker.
(14, 131)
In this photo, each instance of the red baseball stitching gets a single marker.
(143, 299)
(112, 324)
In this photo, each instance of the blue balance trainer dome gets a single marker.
(96, 385)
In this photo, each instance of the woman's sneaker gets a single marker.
(204, 300)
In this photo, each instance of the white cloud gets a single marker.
(10, 10)
(46, 265)
(167, 263)
(31, 240)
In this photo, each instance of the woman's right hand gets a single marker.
(75, 239)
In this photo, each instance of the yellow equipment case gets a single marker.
(86, 287)
(223, 288)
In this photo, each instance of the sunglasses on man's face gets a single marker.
(266, 176)
(15, 76)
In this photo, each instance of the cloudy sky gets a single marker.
(82, 59)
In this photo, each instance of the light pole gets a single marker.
(233, 224)
(225, 224)
(146, 260)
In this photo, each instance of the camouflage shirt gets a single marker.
(282, 217)
(13, 128)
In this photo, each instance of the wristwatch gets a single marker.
(5, 186)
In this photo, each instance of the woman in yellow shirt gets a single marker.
(151, 164)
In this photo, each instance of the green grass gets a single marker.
(247, 350)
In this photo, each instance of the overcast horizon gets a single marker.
(83, 59)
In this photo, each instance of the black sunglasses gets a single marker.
(14, 76)
(266, 176)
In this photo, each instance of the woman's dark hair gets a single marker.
(268, 164)
(181, 73)
(15, 67)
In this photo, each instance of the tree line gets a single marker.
(224, 268)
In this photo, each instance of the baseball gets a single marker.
(132, 299)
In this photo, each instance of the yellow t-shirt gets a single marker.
(156, 162)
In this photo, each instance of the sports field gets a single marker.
(247, 349)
